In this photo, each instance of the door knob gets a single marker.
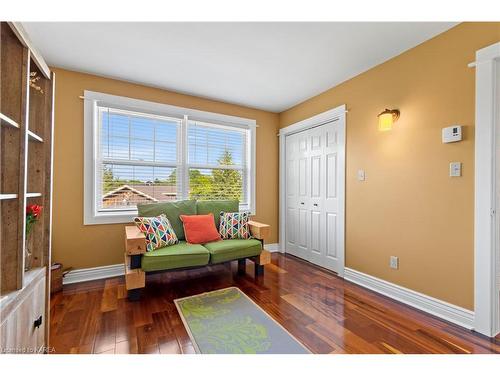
(301, 202)
(315, 204)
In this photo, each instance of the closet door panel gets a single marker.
(302, 230)
(291, 194)
(331, 209)
(331, 175)
(316, 206)
(331, 196)
(316, 176)
(331, 235)
(302, 139)
(304, 170)
(316, 139)
(331, 136)
(303, 191)
(291, 202)
(291, 231)
(296, 193)
(316, 232)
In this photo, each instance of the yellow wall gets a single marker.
(408, 206)
(82, 246)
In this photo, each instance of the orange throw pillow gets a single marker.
(200, 229)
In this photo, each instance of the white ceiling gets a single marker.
(270, 66)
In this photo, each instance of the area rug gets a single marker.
(227, 321)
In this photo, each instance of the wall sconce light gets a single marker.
(387, 118)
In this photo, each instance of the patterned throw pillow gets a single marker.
(158, 231)
(234, 225)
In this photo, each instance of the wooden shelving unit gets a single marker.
(26, 130)
(33, 195)
(8, 196)
(8, 121)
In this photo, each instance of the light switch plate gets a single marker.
(455, 169)
(361, 175)
(394, 262)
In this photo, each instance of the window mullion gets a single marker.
(183, 173)
(245, 176)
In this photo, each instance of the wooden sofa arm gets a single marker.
(259, 230)
(135, 241)
(135, 277)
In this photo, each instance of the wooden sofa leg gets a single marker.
(242, 266)
(134, 294)
(259, 269)
(260, 261)
(135, 277)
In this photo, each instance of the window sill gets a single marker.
(120, 218)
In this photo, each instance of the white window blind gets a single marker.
(137, 159)
(145, 157)
(217, 162)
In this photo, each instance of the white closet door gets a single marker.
(292, 195)
(333, 200)
(291, 146)
(315, 215)
(297, 192)
(317, 193)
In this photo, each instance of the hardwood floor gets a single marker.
(326, 313)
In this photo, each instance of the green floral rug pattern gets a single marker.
(226, 321)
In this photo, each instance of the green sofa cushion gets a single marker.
(215, 207)
(175, 256)
(172, 210)
(226, 250)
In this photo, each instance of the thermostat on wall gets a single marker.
(452, 134)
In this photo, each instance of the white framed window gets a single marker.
(144, 152)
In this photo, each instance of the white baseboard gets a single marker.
(95, 273)
(431, 305)
(272, 247)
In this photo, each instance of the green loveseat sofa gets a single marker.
(183, 255)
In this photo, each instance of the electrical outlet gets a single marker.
(394, 262)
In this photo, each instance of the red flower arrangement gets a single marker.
(33, 211)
